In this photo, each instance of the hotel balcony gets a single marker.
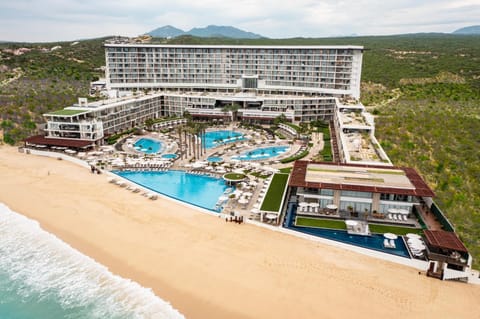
(259, 114)
(208, 112)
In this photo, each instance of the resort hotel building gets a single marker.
(253, 84)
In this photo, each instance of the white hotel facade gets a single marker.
(300, 82)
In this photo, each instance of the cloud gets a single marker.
(51, 20)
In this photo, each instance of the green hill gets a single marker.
(423, 88)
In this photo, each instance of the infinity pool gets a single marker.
(217, 138)
(148, 146)
(375, 241)
(198, 190)
(262, 153)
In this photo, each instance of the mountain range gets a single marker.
(210, 31)
(474, 29)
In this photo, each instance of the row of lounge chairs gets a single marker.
(309, 209)
(142, 168)
(397, 217)
(132, 188)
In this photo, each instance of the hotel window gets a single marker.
(356, 194)
(395, 197)
(326, 192)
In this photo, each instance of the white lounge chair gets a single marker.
(392, 243)
(386, 243)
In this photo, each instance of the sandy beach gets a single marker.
(207, 268)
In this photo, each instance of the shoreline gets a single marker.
(206, 268)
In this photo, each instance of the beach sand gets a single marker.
(207, 268)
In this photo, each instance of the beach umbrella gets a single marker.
(390, 236)
(243, 200)
(271, 216)
(255, 211)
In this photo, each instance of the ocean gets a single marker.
(43, 277)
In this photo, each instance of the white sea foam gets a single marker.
(43, 265)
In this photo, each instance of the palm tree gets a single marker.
(179, 131)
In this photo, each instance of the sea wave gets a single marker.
(39, 265)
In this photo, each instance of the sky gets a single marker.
(68, 20)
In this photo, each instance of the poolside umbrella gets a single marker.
(314, 204)
(243, 201)
(403, 211)
(255, 211)
(390, 236)
(331, 206)
(303, 204)
(248, 194)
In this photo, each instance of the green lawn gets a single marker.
(286, 170)
(273, 198)
(234, 176)
(321, 223)
(340, 224)
(67, 112)
(398, 230)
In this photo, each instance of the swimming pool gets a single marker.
(148, 145)
(217, 138)
(262, 153)
(199, 190)
(375, 241)
(169, 155)
(215, 159)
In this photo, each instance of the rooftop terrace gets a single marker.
(355, 177)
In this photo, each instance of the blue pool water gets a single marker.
(147, 145)
(43, 277)
(216, 138)
(375, 241)
(215, 159)
(262, 153)
(169, 156)
(198, 190)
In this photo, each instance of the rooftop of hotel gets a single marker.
(125, 42)
(367, 178)
(353, 119)
(362, 147)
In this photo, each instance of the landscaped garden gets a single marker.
(274, 196)
(340, 225)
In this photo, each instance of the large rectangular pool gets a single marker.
(199, 190)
